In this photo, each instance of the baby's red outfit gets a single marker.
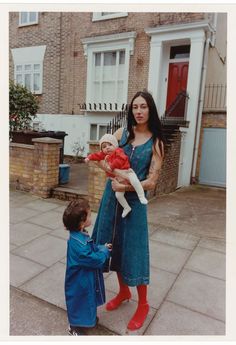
(116, 160)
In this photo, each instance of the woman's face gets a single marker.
(140, 110)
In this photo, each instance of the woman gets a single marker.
(142, 141)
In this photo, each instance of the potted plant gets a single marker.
(23, 106)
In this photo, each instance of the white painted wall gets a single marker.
(76, 126)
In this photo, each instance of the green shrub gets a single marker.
(23, 106)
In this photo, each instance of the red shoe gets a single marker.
(116, 302)
(139, 317)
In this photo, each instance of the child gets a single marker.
(84, 284)
(115, 158)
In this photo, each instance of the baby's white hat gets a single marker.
(108, 138)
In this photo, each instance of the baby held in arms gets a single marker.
(116, 158)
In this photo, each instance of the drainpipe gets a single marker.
(199, 113)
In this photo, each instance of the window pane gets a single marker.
(97, 92)
(178, 52)
(19, 79)
(97, 59)
(108, 92)
(109, 58)
(36, 81)
(32, 16)
(93, 132)
(36, 66)
(24, 16)
(107, 13)
(121, 72)
(102, 131)
(18, 68)
(27, 67)
(122, 57)
(28, 81)
(120, 91)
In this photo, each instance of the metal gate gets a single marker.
(213, 157)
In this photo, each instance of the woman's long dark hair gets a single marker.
(154, 123)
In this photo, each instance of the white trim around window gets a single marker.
(97, 130)
(108, 15)
(28, 18)
(108, 68)
(28, 67)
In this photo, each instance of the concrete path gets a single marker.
(187, 250)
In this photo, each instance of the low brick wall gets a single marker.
(96, 179)
(35, 168)
(168, 178)
(167, 181)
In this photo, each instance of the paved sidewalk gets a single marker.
(187, 257)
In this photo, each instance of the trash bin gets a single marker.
(64, 173)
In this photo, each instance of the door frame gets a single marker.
(167, 35)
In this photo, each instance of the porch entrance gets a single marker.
(177, 77)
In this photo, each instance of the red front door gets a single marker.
(177, 81)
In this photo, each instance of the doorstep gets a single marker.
(66, 193)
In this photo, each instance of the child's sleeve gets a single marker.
(91, 259)
(120, 161)
(97, 156)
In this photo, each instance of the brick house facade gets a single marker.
(71, 41)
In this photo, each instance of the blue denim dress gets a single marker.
(129, 235)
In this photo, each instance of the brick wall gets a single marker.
(96, 180)
(214, 120)
(35, 168)
(47, 32)
(168, 177)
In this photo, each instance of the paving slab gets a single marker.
(160, 284)
(45, 250)
(207, 261)
(31, 316)
(22, 270)
(117, 320)
(19, 214)
(19, 198)
(166, 257)
(214, 244)
(172, 319)
(191, 210)
(199, 293)
(42, 206)
(22, 233)
(49, 285)
(175, 238)
(49, 219)
(61, 232)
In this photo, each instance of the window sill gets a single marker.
(27, 24)
(97, 16)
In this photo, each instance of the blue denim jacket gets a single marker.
(84, 283)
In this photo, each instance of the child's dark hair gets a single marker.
(75, 213)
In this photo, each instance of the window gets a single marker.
(108, 69)
(28, 18)
(29, 75)
(109, 76)
(179, 52)
(28, 67)
(108, 15)
(97, 131)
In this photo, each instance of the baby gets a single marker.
(116, 158)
